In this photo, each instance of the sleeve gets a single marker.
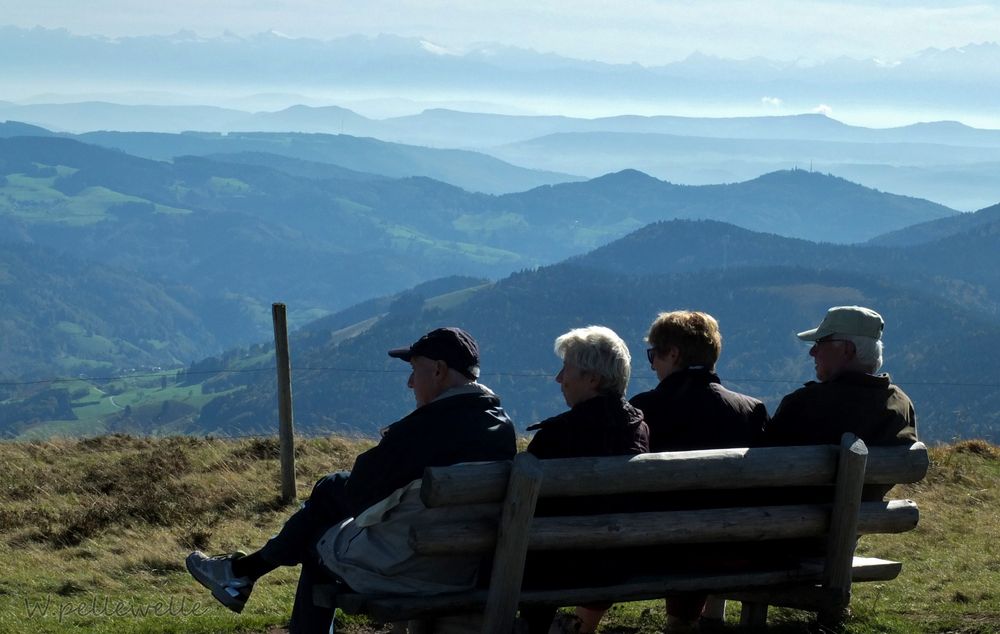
(759, 422)
(907, 434)
(780, 429)
(640, 440)
(389, 465)
(541, 445)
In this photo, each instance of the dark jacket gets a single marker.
(690, 409)
(867, 405)
(605, 425)
(467, 425)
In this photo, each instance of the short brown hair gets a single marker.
(695, 334)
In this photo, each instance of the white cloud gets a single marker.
(823, 109)
(773, 102)
(436, 49)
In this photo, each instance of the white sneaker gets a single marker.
(216, 574)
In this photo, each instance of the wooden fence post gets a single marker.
(286, 429)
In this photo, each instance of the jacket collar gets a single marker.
(692, 374)
(467, 388)
(852, 377)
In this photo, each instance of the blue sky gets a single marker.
(645, 31)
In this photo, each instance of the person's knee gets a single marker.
(330, 484)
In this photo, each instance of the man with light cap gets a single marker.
(353, 530)
(848, 396)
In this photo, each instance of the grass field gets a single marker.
(35, 199)
(93, 534)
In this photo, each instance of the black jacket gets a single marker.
(605, 425)
(690, 409)
(468, 425)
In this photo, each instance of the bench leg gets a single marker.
(753, 614)
(833, 617)
(715, 608)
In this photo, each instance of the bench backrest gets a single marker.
(498, 501)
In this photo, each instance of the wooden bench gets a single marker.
(499, 502)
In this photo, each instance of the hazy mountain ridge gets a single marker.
(944, 161)
(442, 127)
(470, 170)
(933, 230)
(943, 173)
(409, 62)
(810, 205)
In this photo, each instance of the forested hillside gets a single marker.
(79, 317)
(517, 319)
(233, 233)
(191, 252)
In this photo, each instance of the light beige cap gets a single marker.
(847, 320)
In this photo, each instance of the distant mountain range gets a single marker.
(942, 161)
(447, 128)
(470, 170)
(961, 78)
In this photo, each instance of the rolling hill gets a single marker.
(74, 317)
(466, 169)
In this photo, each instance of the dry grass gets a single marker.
(96, 530)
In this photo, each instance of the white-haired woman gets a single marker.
(600, 422)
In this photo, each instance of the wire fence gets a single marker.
(70, 428)
(502, 373)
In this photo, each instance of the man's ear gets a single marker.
(851, 350)
(440, 368)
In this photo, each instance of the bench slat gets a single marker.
(400, 608)
(670, 527)
(815, 598)
(673, 471)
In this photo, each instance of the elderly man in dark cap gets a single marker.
(355, 524)
(849, 396)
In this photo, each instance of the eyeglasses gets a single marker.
(650, 354)
(828, 340)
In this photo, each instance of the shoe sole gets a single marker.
(219, 593)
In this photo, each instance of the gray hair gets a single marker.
(867, 352)
(599, 350)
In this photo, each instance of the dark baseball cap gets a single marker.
(454, 346)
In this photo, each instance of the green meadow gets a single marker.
(94, 532)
